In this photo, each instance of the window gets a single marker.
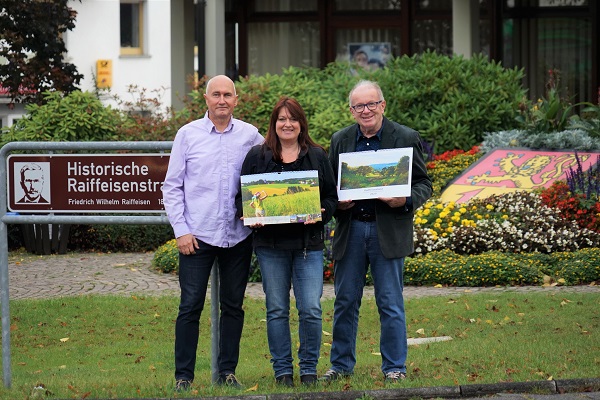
(353, 5)
(131, 16)
(285, 6)
(562, 45)
(274, 46)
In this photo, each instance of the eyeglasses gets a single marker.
(371, 106)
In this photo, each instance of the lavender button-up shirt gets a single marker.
(203, 178)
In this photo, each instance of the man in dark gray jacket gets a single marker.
(376, 232)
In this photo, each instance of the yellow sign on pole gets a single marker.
(104, 74)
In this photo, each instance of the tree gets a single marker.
(33, 46)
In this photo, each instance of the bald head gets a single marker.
(219, 79)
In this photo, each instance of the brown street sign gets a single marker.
(90, 183)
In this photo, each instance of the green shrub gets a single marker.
(119, 238)
(166, 257)
(323, 94)
(78, 116)
(574, 268)
(492, 268)
(452, 101)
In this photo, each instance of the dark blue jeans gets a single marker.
(303, 270)
(363, 250)
(194, 273)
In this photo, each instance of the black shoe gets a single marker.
(229, 380)
(182, 385)
(330, 376)
(308, 379)
(285, 380)
(394, 377)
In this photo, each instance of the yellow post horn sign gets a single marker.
(103, 74)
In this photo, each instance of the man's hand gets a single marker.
(187, 244)
(394, 202)
(345, 204)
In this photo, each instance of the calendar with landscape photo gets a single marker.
(373, 174)
(281, 197)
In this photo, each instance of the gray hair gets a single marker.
(364, 82)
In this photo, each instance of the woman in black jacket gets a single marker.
(292, 254)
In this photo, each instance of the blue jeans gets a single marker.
(280, 270)
(194, 273)
(350, 274)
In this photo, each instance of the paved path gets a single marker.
(33, 276)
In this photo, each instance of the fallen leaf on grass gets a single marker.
(326, 333)
(65, 339)
(253, 388)
(420, 331)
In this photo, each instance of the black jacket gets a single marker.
(293, 236)
(394, 225)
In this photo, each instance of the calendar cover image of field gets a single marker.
(374, 174)
(281, 197)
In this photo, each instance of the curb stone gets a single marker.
(564, 389)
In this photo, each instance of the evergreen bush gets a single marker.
(119, 238)
(78, 116)
(451, 101)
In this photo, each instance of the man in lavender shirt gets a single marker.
(199, 197)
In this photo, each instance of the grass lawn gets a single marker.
(122, 347)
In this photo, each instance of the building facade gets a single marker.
(538, 35)
(158, 45)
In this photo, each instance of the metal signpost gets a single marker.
(43, 188)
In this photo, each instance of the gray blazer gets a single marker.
(394, 225)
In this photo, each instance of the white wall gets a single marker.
(96, 36)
